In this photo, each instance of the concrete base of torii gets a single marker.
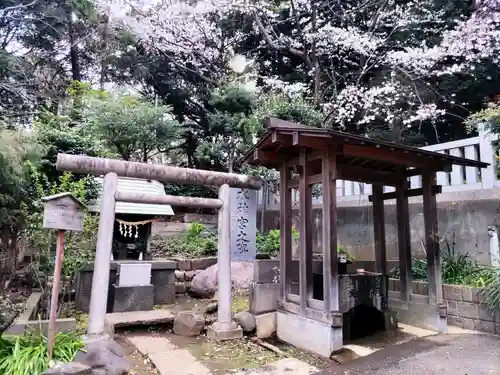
(224, 331)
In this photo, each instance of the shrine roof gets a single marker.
(136, 185)
(284, 139)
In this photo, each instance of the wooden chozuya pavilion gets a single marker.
(321, 156)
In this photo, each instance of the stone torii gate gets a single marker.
(224, 328)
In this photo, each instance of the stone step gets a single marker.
(138, 318)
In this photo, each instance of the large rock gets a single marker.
(105, 354)
(245, 320)
(189, 323)
(73, 368)
(205, 283)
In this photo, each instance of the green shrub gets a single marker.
(461, 269)
(190, 244)
(269, 243)
(27, 355)
(491, 277)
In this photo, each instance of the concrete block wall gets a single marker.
(465, 306)
(28, 320)
(464, 217)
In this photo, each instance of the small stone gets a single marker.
(266, 324)
(179, 275)
(245, 320)
(73, 368)
(105, 354)
(189, 324)
(119, 366)
(189, 275)
(211, 307)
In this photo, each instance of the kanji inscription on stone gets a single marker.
(243, 207)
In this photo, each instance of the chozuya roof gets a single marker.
(284, 139)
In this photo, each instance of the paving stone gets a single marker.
(286, 366)
(178, 362)
(133, 318)
(148, 344)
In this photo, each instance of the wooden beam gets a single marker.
(269, 157)
(379, 229)
(285, 231)
(329, 233)
(305, 255)
(281, 138)
(172, 200)
(436, 189)
(432, 239)
(404, 244)
(390, 156)
(353, 173)
(361, 174)
(317, 143)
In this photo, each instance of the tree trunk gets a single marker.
(104, 50)
(74, 55)
(397, 130)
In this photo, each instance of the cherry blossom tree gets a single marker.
(370, 65)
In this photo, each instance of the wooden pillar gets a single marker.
(404, 244)
(379, 229)
(330, 265)
(432, 238)
(285, 231)
(305, 255)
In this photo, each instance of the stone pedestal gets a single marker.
(133, 298)
(224, 331)
(308, 334)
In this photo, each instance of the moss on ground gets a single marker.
(230, 355)
(240, 303)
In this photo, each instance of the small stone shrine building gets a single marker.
(306, 156)
(133, 221)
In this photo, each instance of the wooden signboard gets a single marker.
(64, 212)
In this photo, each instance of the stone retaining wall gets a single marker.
(28, 320)
(187, 269)
(465, 306)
